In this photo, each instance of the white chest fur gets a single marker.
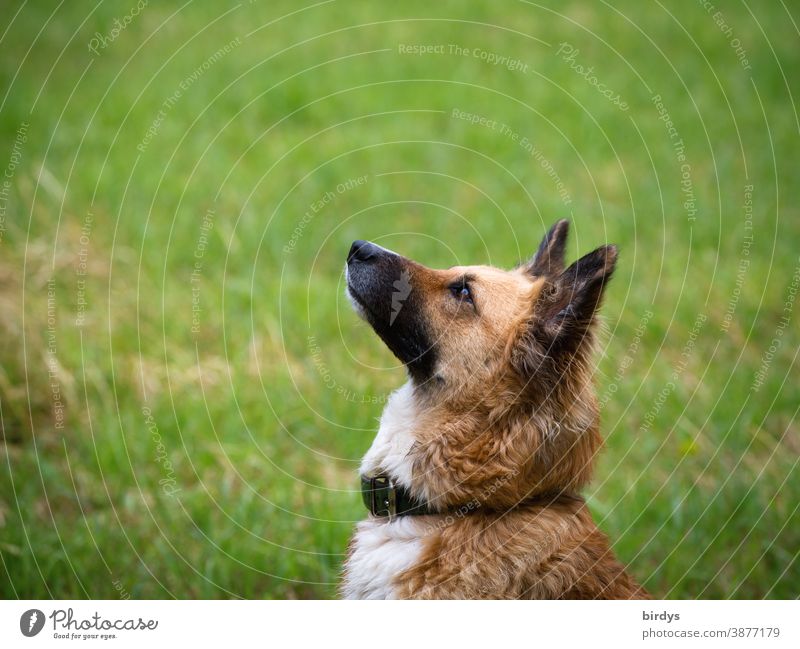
(389, 453)
(380, 551)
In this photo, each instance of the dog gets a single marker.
(473, 479)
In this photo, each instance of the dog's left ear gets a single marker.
(567, 306)
(549, 258)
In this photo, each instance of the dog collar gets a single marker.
(383, 498)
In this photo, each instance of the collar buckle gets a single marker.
(380, 496)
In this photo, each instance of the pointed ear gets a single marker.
(549, 258)
(566, 310)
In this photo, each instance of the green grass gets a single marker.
(263, 413)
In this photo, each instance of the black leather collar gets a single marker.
(383, 498)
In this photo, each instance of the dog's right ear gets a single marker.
(566, 309)
(564, 312)
(549, 258)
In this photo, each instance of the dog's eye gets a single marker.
(460, 291)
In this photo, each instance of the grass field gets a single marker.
(184, 391)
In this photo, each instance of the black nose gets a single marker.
(362, 251)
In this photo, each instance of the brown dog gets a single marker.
(473, 477)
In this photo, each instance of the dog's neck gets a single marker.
(390, 453)
(420, 450)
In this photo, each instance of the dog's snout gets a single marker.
(362, 251)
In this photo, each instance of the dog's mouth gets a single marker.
(367, 277)
(360, 305)
(378, 284)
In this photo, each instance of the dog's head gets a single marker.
(493, 350)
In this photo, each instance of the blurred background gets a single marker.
(185, 393)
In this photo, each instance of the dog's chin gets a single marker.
(355, 300)
(405, 339)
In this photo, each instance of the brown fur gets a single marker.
(533, 552)
(508, 423)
